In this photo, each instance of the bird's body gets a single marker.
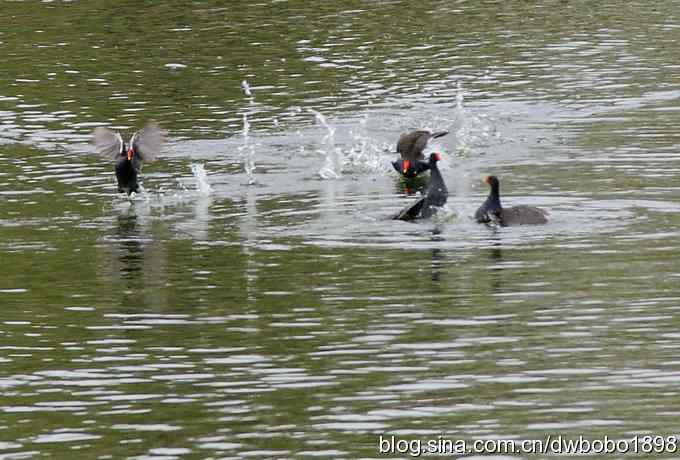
(410, 148)
(524, 215)
(491, 211)
(435, 198)
(144, 146)
(127, 173)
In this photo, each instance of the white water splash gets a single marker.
(247, 150)
(202, 185)
(332, 168)
(365, 155)
(246, 88)
(470, 130)
(459, 96)
(246, 128)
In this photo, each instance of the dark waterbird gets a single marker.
(435, 198)
(144, 147)
(491, 210)
(410, 147)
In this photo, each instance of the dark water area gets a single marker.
(256, 301)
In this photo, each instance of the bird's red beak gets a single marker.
(406, 166)
(437, 157)
(487, 179)
(131, 153)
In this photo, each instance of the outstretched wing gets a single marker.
(408, 145)
(148, 141)
(421, 142)
(411, 212)
(412, 144)
(108, 143)
(424, 137)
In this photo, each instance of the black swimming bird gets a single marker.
(436, 195)
(492, 211)
(144, 146)
(410, 147)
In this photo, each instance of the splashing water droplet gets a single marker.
(459, 96)
(202, 185)
(365, 155)
(469, 129)
(332, 168)
(246, 88)
(246, 127)
(248, 151)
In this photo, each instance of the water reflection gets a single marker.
(134, 260)
(130, 249)
(249, 238)
(437, 257)
(413, 186)
(495, 257)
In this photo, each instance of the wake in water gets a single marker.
(198, 187)
(186, 210)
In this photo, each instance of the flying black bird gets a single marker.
(144, 147)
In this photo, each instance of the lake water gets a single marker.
(257, 301)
